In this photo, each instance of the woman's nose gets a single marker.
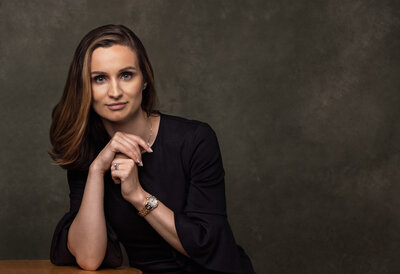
(114, 90)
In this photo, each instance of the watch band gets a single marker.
(143, 212)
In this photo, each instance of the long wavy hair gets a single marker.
(76, 129)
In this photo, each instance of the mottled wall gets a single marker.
(304, 97)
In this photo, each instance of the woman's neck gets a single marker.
(137, 125)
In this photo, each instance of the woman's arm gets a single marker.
(161, 219)
(87, 236)
(60, 253)
(202, 225)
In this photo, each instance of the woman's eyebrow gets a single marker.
(125, 68)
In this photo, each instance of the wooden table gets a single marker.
(46, 267)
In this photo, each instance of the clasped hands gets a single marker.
(126, 150)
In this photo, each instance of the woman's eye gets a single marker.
(127, 75)
(98, 79)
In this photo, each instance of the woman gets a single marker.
(152, 181)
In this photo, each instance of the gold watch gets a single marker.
(150, 205)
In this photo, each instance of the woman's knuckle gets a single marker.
(113, 144)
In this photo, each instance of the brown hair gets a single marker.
(76, 129)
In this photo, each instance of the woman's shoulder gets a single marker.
(186, 130)
(180, 125)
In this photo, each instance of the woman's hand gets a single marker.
(129, 144)
(127, 176)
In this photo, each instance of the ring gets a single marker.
(116, 166)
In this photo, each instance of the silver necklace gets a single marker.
(151, 132)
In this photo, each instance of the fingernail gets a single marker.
(139, 162)
(149, 147)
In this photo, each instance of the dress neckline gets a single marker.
(159, 130)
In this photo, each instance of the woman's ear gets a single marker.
(144, 86)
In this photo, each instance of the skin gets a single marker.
(113, 82)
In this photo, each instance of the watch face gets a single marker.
(152, 202)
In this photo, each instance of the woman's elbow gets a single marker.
(88, 264)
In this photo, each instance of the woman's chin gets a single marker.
(115, 118)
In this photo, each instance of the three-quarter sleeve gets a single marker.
(59, 252)
(203, 227)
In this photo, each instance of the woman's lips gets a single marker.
(116, 106)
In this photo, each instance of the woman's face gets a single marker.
(117, 83)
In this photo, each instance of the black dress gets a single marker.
(185, 172)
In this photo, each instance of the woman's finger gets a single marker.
(116, 180)
(140, 142)
(133, 146)
(122, 167)
(120, 174)
(115, 175)
(122, 147)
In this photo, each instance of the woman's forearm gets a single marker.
(87, 235)
(161, 219)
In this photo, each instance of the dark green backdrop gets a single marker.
(303, 95)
